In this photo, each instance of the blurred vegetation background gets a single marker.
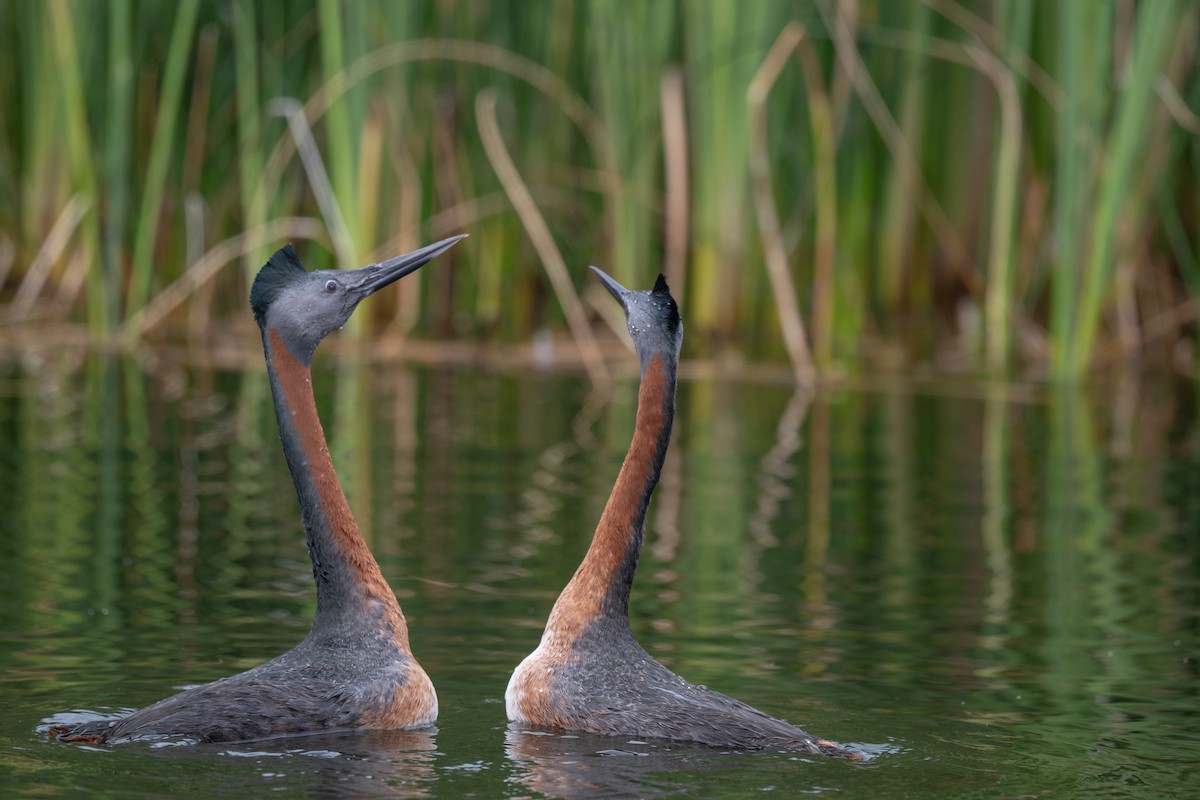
(837, 185)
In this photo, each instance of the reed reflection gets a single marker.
(552, 483)
(776, 473)
(820, 613)
(1001, 580)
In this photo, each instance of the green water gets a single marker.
(994, 592)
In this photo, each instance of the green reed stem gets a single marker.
(998, 293)
(1084, 33)
(626, 54)
(79, 152)
(907, 190)
(1153, 32)
(898, 229)
(118, 145)
(170, 104)
(249, 127)
(717, 90)
(340, 151)
(824, 166)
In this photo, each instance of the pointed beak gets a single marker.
(615, 289)
(374, 277)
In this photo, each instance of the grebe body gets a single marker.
(354, 669)
(589, 673)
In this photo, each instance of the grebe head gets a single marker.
(651, 316)
(304, 307)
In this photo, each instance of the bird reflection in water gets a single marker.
(586, 766)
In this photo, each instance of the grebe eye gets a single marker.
(331, 286)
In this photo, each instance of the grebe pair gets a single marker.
(354, 669)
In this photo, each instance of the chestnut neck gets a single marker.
(351, 590)
(599, 590)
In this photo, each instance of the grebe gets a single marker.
(354, 670)
(589, 673)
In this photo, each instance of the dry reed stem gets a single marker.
(193, 227)
(1177, 69)
(956, 53)
(200, 309)
(1021, 62)
(841, 85)
(1176, 106)
(1129, 338)
(906, 162)
(48, 255)
(675, 178)
(207, 267)
(1171, 320)
(775, 253)
(539, 77)
(318, 178)
(73, 278)
(449, 220)
(539, 233)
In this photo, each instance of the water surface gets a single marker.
(992, 590)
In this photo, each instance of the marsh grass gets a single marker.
(983, 186)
